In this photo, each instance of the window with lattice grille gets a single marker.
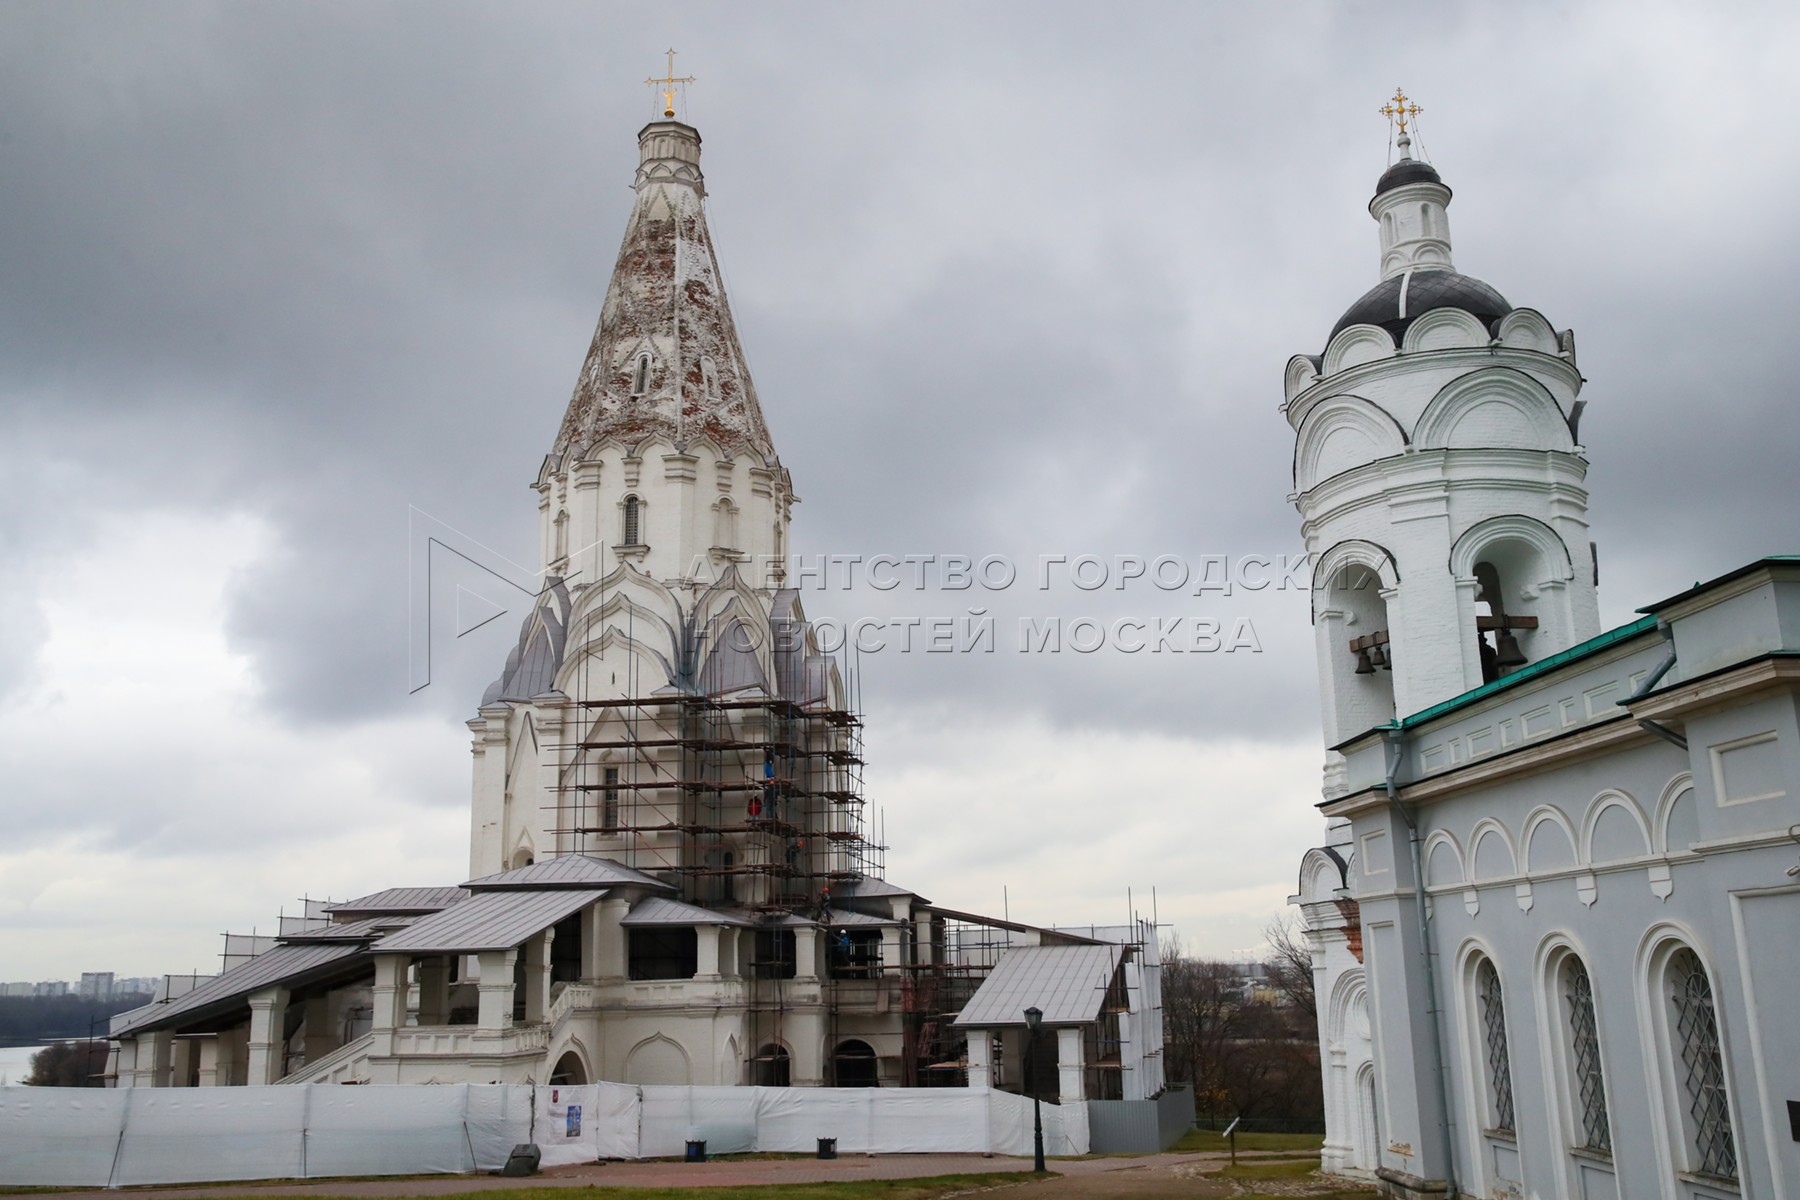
(1584, 1054)
(1493, 1027)
(1702, 1071)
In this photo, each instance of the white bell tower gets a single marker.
(1438, 477)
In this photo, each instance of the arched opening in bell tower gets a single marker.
(1510, 574)
(1360, 664)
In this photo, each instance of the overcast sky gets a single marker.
(1013, 279)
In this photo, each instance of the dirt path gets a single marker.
(1153, 1176)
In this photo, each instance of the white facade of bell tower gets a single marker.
(1438, 479)
(1442, 493)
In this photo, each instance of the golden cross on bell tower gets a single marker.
(668, 84)
(1399, 108)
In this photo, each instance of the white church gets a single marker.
(670, 879)
(1555, 920)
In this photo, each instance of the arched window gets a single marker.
(709, 375)
(1493, 1041)
(1694, 1030)
(725, 524)
(1587, 1081)
(630, 531)
(1387, 229)
(640, 376)
(855, 1065)
(1424, 220)
(561, 542)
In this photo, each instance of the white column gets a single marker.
(707, 939)
(1071, 1076)
(268, 1013)
(890, 948)
(806, 953)
(980, 1072)
(609, 940)
(805, 1035)
(209, 1063)
(389, 1000)
(496, 989)
(128, 1060)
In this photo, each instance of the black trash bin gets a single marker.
(827, 1147)
(523, 1160)
(696, 1151)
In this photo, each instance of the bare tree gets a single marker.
(1290, 965)
(1247, 1055)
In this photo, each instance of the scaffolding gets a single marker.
(747, 794)
(753, 803)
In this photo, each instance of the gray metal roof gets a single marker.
(569, 871)
(361, 930)
(490, 921)
(1068, 982)
(868, 889)
(660, 910)
(840, 918)
(401, 900)
(282, 965)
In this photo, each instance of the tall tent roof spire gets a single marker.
(665, 359)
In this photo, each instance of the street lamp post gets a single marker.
(1034, 1019)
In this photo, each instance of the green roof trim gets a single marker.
(1531, 671)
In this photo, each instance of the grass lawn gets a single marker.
(1208, 1140)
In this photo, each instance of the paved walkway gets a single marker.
(736, 1172)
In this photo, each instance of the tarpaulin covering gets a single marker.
(76, 1137)
(586, 1123)
(59, 1137)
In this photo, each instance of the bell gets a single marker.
(1377, 657)
(1363, 665)
(1509, 655)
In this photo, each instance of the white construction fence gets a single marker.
(80, 1137)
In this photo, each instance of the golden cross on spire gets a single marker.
(668, 84)
(1399, 107)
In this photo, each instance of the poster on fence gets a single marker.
(564, 1132)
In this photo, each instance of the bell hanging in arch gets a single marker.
(1508, 655)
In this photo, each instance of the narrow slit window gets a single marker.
(640, 376)
(629, 535)
(609, 802)
(725, 525)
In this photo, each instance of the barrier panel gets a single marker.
(206, 1135)
(78, 1137)
(59, 1137)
